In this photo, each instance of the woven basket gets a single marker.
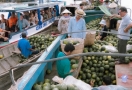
(90, 38)
(78, 48)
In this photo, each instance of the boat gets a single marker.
(37, 72)
(10, 51)
(21, 7)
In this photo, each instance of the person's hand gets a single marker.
(72, 70)
(69, 36)
(125, 31)
(92, 82)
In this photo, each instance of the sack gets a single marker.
(78, 47)
(90, 38)
(110, 48)
(128, 47)
(70, 80)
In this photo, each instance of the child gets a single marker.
(102, 35)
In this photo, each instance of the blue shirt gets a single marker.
(25, 47)
(76, 26)
(63, 66)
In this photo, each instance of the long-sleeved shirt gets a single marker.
(63, 24)
(77, 26)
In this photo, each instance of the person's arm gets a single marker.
(29, 47)
(84, 28)
(128, 28)
(59, 23)
(27, 24)
(115, 16)
(69, 28)
(67, 70)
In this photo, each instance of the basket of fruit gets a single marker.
(77, 42)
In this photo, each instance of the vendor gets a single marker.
(102, 35)
(113, 10)
(106, 3)
(64, 65)
(63, 21)
(77, 24)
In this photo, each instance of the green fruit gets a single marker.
(106, 66)
(66, 42)
(101, 69)
(70, 87)
(74, 66)
(112, 64)
(127, 61)
(73, 61)
(47, 81)
(48, 71)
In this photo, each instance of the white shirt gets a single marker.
(126, 20)
(2, 26)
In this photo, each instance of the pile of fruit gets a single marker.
(72, 42)
(40, 42)
(48, 85)
(95, 67)
(94, 24)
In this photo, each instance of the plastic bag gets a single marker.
(110, 48)
(128, 47)
(70, 80)
(57, 79)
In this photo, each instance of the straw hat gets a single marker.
(66, 11)
(103, 22)
(113, 5)
(80, 12)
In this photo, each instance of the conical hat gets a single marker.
(66, 11)
(113, 5)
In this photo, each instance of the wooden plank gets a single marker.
(124, 69)
(79, 67)
(5, 65)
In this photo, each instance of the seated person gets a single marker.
(64, 65)
(12, 22)
(32, 19)
(25, 24)
(4, 33)
(24, 46)
(3, 20)
(102, 35)
(107, 85)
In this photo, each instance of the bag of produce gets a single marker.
(110, 48)
(90, 38)
(77, 42)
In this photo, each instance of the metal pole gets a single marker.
(70, 56)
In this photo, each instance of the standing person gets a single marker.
(122, 40)
(77, 24)
(64, 65)
(63, 21)
(114, 10)
(81, 6)
(106, 3)
(25, 47)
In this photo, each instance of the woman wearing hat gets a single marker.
(114, 10)
(63, 21)
(104, 28)
(77, 24)
(106, 3)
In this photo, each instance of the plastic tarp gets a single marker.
(70, 80)
(105, 10)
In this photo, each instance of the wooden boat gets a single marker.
(10, 59)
